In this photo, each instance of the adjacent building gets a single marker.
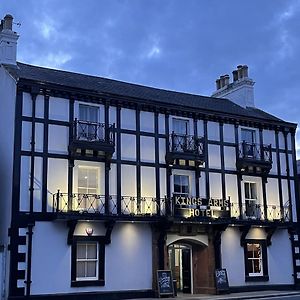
(105, 182)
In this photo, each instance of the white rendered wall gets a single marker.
(130, 249)
(279, 256)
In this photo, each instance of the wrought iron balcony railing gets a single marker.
(251, 151)
(254, 211)
(95, 204)
(93, 132)
(181, 143)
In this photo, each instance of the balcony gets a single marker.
(254, 158)
(95, 139)
(91, 205)
(256, 212)
(185, 147)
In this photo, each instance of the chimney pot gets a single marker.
(218, 84)
(235, 75)
(245, 71)
(240, 71)
(8, 20)
(226, 79)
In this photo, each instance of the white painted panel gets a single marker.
(39, 106)
(113, 180)
(162, 151)
(215, 185)
(58, 109)
(269, 137)
(92, 164)
(202, 185)
(256, 234)
(272, 193)
(148, 182)
(274, 164)
(128, 146)
(26, 136)
(147, 121)
(280, 258)
(200, 128)
(161, 124)
(228, 133)
(213, 129)
(289, 141)
(229, 158)
(128, 179)
(190, 174)
(281, 140)
(231, 188)
(293, 200)
(214, 156)
(283, 164)
(39, 137)
(24, 183)
(38, 184)
(230, 247)
(291, 167)
(128, 119)
(58, 139)
(27, 105)
(147, 149)
(57, 178)
(112, 115)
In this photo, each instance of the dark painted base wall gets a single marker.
(92, 296)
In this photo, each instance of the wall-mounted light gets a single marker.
(89, 231)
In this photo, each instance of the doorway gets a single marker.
(180, 265)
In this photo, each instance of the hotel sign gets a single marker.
(191, 207)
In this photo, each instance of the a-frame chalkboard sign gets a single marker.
(165, 283)
(221, 278)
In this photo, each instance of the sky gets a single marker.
(181, 45)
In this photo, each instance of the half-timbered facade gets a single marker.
(106, 182)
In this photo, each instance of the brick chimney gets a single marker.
(8, 42)
(240, 91)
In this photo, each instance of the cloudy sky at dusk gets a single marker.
(181, 45)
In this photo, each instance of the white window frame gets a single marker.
(187, 121)
(189, 185)
(259, 259)
(250, 182)
(77, 110)
(87, 260)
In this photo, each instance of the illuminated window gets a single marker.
(251, 200)
(181, 185)
(256, 267)
(87, 261)
(87, 268)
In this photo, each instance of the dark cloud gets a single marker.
(172, 44)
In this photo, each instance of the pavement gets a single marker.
(236, 296)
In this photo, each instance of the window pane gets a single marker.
(257, 266)
(250, 266)
(247, 194)
(253, 191)
(91, 269)
(93, 117)
(80, 266)
(248, 136)
(180, 126)
(93, 178)
(83, 112)
(177, 184)
(81, 251)
(92, 251)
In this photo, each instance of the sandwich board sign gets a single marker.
(165, 283)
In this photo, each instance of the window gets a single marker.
(251, 209)
(180, 139)
(180, 126)
(87, 267)
(88, 189)
(248, 138)
(88, 127)
(256, 267)
(181, 185)
(87, 261)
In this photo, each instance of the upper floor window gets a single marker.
(88, 127)
(250, 191)
(181, 185)
(248, 138)
(181, 126)
(88, 113)
(251, 207)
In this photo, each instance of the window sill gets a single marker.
(80, 283)
(257, 278)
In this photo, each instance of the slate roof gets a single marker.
(114, 87)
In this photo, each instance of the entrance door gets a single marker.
(180, 264)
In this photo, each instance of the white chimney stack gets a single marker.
(8, 42)
(240, 91)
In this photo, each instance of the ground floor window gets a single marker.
(256, 261)
(87, 262)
